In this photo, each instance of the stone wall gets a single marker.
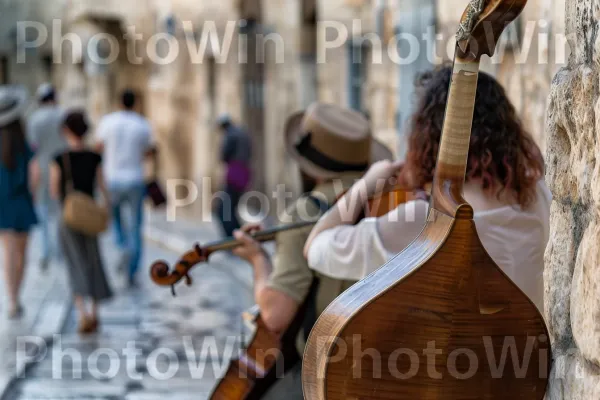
(35, 70)
(572, 275)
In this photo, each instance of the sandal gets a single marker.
(95, 325)
(86, 326)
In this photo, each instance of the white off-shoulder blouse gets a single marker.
(515, 238)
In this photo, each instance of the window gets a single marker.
(308, 53)
(4, 73)
(48, 64)
(211, 67)
(357, 74)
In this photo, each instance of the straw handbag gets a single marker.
(81, 213)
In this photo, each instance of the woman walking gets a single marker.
(17, 214)
(80, 170)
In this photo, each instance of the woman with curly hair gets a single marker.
(504, 185)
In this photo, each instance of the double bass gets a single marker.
(440, 321)
(251, 374)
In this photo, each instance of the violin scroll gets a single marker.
(162, 274)
(160, 270)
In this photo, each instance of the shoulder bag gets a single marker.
(81, 213)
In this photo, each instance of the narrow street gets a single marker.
(150, 344)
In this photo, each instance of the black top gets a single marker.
(83, 167)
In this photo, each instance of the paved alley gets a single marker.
(150, 344)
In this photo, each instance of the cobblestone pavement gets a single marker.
(150, 345)
(46, 307)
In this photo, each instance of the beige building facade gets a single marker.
(404, 37)
(261, 60)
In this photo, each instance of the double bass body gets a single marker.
(395, 336)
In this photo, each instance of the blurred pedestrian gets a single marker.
(125, 138)
(44, 132)
(236, 153)
(80, 170)
(17, 214)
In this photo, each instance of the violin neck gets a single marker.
(262, 236)
(456, 135)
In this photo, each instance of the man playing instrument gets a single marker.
(333, 147)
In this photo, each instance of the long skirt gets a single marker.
(84, 264)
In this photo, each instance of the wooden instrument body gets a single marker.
(253, 373)
(395, 315)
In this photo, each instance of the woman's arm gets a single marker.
(55, 177)
(354, 251)
(34, 175)
(348, 208)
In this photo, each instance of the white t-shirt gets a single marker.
(515, 239)
(126, 136)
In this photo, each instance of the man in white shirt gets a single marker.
(44, 133)
(125, 138)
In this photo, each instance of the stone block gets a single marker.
(558, 276)
(571, 133)
(573, 378)
(585, 296)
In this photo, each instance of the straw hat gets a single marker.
(13, 103)
(327, 141)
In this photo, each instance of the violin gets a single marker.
(162, 275)
(160, 271)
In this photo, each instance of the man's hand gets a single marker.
(249, 249)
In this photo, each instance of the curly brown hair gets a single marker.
(502, 154)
